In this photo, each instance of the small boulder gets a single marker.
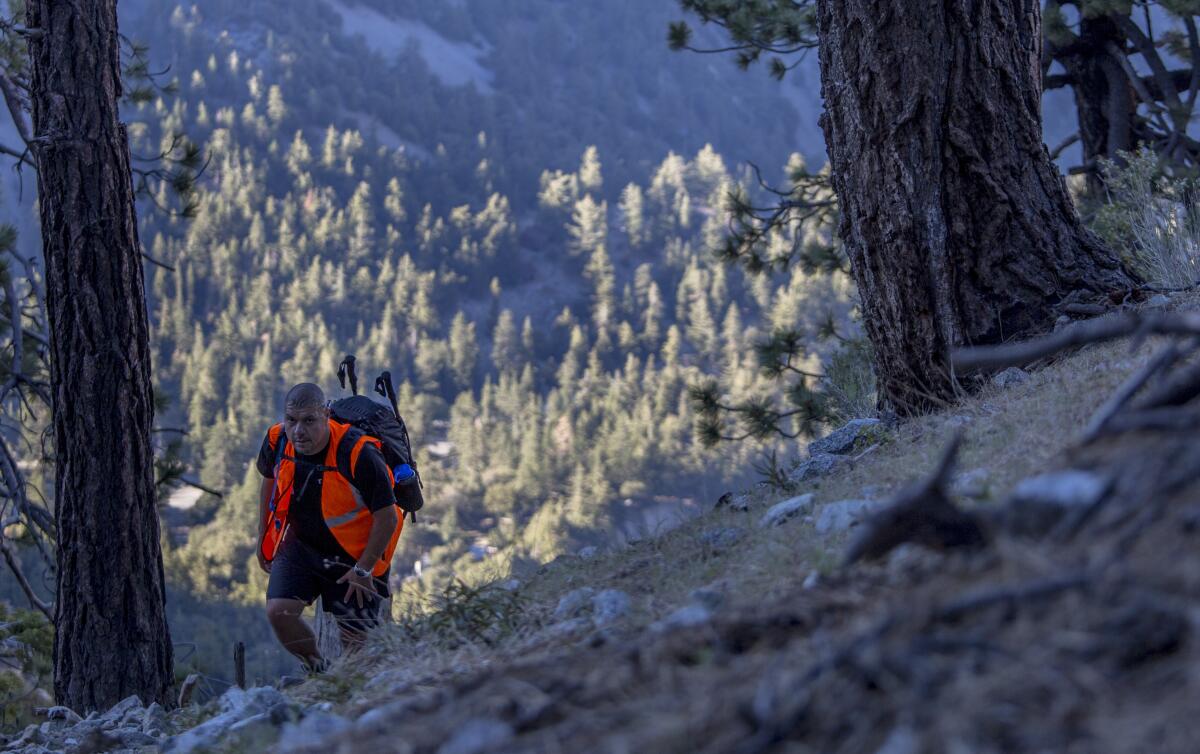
(609, 605)
(1157, 301)
(849, 438)
(817, 465)
(841, 516)
(509, 585)
(123, 707)
(315, 732)
(688, 616)
(63, 713)
(734, 502)
(589, 552)
(1010, 377)
(572, 603)
(478, 736)
(722, 538)
(974, 484)
(707, 597)
(1039, 503)
(811, 580)
(787, 510)
(154, 721)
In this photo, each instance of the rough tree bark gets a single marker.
(958, 227)
(111, 636)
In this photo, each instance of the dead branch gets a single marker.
(923, 514)
(1078, 334)
(1166, 419)
(1182, 387)
(203, 488)
(14, 565)
(1032, 591)
(1099, 421)
(186, 688)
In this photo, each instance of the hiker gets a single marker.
(328, 524)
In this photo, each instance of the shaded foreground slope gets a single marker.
(1076, 643)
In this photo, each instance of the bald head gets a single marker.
(306, 419)
(305, 395)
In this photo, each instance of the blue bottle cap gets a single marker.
(403, 473)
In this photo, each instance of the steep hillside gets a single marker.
(1069, 630)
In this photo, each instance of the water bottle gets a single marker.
(407, 488)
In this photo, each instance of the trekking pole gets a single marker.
(383, 386)
(346, 369)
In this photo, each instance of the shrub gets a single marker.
(1151, 217)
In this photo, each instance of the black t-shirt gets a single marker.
(371, 478)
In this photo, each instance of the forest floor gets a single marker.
(744, 638)
(1070, 630)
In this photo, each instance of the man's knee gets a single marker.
(284, 612)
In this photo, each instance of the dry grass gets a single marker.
(756, 678)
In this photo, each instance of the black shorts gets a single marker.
(299, 572)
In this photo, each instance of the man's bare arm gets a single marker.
(383, 523)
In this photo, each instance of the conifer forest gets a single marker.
(624, 262)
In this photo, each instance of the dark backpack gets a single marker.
(385, 424)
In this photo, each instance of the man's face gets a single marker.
(307, 428)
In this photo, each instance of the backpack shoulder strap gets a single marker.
(345, 452)
(281, 442)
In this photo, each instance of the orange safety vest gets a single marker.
(345, 513)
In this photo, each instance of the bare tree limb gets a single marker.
(1163, 360)
(14, 565)
(1078, 334)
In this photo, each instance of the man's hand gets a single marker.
(362, 587)
(263, 563)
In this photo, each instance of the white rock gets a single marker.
(63, 713)
(1039, 503)
(154, 721)
(1069, 489)
(118, 710)
(811, 580)
(973, 484)
(1157, 301)
(235, 705)
(788, 509)
(844, 439)
(382, 717)
(688, 616)
(609, 605)
(842, 515)
(589, 552)
(707, 597)
(817, 466)
(573, 602)
(1010, 377)
(477, 736)
(312, 730)
(509, 585)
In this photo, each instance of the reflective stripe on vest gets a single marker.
(342, 507)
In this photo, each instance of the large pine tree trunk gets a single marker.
(111, 636)
(958, 227)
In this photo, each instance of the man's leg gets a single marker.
(292, 631)
(294, 584)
